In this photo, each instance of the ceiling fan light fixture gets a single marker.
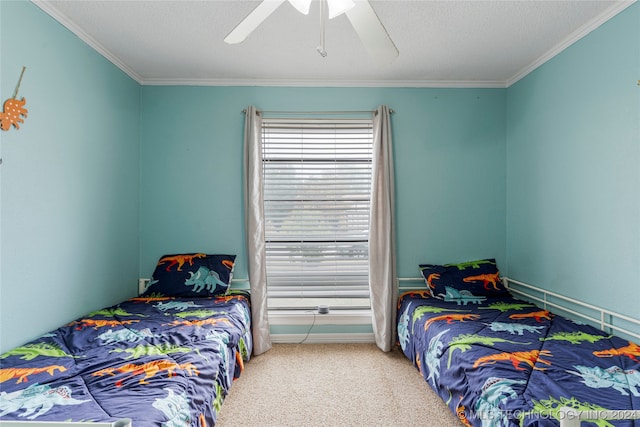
(301, 6)
(363, 18)
(338, 7)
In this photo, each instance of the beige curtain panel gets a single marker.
(254, 229)
(382, 239)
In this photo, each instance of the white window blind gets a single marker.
(317, 189)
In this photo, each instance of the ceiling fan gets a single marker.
(359, 12)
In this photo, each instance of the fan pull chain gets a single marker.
(323, 16)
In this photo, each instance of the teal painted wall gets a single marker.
(573, 169)
(449, 148)
(105, 176)
(69, 185)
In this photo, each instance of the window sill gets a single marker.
(309, 317)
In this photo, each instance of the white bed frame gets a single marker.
(601, 317)
(606, 320)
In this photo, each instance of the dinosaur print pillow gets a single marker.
(467, 282)
(191, 275)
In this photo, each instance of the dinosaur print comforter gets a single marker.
(505, 362)
(158, 361)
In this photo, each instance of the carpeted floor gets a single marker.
(332, 385)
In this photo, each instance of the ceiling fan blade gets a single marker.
(301, 6)
(251, 22)
(372, 33)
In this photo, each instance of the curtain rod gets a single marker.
(316, 113)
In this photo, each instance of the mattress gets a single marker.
(157, 360)
(501, 361)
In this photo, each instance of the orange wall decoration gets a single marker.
(13, 109)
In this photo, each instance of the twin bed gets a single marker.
(165, 358)
(169, 357)
(501, 361)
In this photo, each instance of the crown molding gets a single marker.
(570, 40)
(88, 39)
(328, 83)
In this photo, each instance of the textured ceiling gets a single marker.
(442, 43)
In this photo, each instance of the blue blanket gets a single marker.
(159, 361)
(506, 362)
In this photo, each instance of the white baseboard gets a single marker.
(322, 338)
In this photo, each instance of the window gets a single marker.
(317, 191)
